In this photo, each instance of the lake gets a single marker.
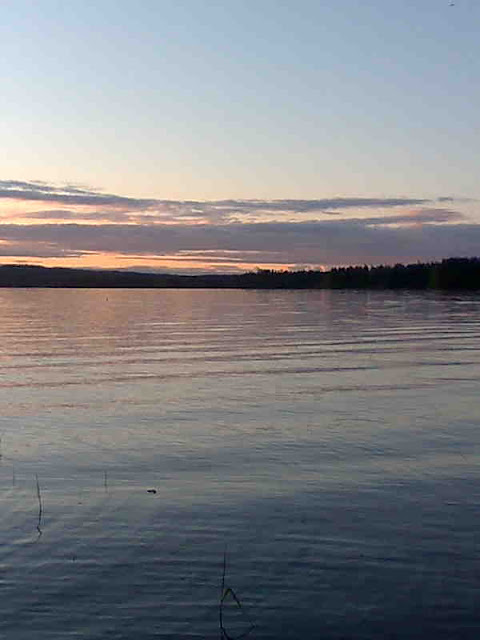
(312, 455)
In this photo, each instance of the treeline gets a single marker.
(451, 273)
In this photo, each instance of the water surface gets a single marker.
(328, 440)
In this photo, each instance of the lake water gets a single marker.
(324, 443)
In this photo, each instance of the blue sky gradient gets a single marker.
(184, 105)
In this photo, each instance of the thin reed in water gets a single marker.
(225, 593)
(40, 507)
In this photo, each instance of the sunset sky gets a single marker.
(199, 135)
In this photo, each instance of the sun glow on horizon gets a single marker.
(149, 264)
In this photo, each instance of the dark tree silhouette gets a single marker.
(449, 274)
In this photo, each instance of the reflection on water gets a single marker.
(327, 439)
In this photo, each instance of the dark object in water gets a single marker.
(225, 593)
(151, 491)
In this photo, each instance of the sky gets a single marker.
(195, 136)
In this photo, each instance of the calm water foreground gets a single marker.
(327, 440)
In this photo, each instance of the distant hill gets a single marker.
(34, 276)
(451, 273)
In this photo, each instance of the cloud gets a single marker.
(327, 242)
(69, 215)
(212, 211)
(302, 206)
(229, 234)
(422, 216)
(40, 192)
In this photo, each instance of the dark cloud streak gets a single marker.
(40, 192)
(326, 242)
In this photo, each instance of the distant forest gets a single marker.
(450, 274)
